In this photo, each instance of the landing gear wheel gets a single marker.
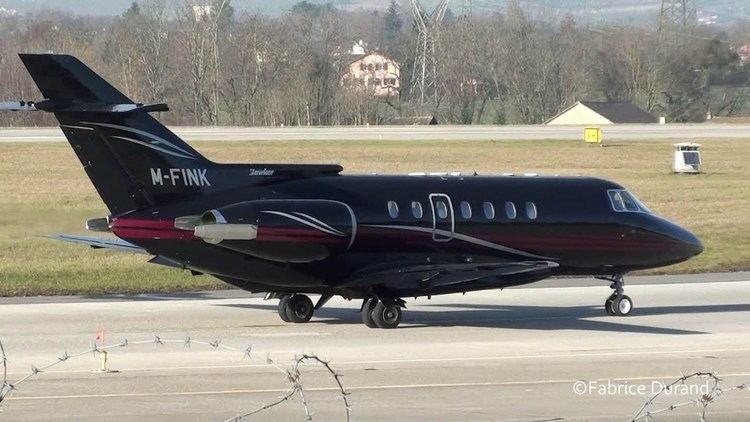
(367, 309)
(622, 305)
(282, 308)
(386, 316)
(299, 308)
(618, 304)
(608, 305)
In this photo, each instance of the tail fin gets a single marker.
(133, 161)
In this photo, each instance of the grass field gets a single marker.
(44, 190)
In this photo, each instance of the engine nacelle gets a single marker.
(294, 230)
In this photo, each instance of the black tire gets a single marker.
(282, 308)
(367, 312)
(622, 305)
(386, 316)
(299, 309)
(608, 305)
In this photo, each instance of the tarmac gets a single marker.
(543, 352)
(678, 132)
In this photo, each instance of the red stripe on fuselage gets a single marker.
(136, 228)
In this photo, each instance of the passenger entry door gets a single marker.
(443, 221)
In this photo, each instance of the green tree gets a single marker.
(133, 10)
(311, 9)
(391, 26)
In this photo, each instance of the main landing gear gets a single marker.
(384, 312)
(618, 304)
(379, 314)
(296, 308)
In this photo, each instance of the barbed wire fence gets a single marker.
(292, 372)
(648, 410)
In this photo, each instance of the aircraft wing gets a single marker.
(436, 275)
(100, 242)
(118, 245)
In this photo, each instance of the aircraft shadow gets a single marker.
(522, 317)
(157, 297)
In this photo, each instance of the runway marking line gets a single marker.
(424, 360)
(353, 388)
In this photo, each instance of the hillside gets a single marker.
(726, 11)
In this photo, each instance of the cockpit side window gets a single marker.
(616, 199)
(624, 201)
(629, 202)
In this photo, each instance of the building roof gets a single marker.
(353, 58)
(413, 120)
(621, 111)
(615, 111)
(356, 57)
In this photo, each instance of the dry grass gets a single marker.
(43, 190)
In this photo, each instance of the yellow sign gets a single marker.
(592, 135)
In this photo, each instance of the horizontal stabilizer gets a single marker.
(87, 107)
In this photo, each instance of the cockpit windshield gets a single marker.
(624, 201)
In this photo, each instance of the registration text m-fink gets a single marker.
(179, 177)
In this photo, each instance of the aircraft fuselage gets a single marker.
(445, 220)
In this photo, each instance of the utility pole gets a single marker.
(467, 7)
(425, 71)
(676, 15)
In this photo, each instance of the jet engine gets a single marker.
(293, 231)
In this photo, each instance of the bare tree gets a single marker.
(518, 65)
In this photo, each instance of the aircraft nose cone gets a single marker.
(689, 243)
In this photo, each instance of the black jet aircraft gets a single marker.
(293, 229)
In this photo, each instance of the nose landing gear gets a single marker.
(618, 304)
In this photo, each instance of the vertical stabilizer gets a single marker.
(133, 160)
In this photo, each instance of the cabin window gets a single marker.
(465, 210)
(416, 209)
(489, 210)
(442, 209)
(531, 210)
(510, 210)
(393, 209)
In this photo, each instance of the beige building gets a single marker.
(602, 113)
(373, 72)
(744, 53)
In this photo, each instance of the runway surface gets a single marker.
(399, 133)
(511, 355)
